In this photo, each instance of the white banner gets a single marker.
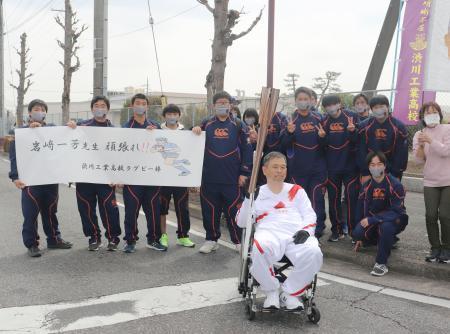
(437, 66)
(109, 155)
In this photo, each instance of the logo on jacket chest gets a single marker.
(380, 134)
(307, 127)
(221, 133)
(337, 127)
(378, 194)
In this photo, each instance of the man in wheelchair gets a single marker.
(285, 225)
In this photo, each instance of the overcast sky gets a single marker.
(311, 38)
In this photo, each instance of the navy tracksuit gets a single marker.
(389, 137)
(273, 139)
(342, 169)
(91, 194)
(307, 167)
(383, 205)
(135, 196)
(227, 156)
(41, 199)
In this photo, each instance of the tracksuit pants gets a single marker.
(181, 203)
(41, 199)
(216, 198)
(149, 198)
(88, 195)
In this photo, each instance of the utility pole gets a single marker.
(3, 115)
(270, 44)
(100, 47)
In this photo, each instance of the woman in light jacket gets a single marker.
(431, 147)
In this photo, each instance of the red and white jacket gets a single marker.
(289, 211)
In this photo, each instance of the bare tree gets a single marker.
(24, 78)
(224, 21)
(291, 82)
(327, 84)
(71, 36)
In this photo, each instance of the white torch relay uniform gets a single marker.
(278, 218)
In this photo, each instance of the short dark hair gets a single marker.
(330, 100)
(379, 100)
(251, 112)
(313, 94)
(237, 110)
(100, 98)
(273, 155)
(171, 108)
(37, 102)
(222, 95)
(373, 154)
(139, 96)
(304, 90)
(425, 107)
(360, 95)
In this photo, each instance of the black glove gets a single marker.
(300, 237)
(247, 194)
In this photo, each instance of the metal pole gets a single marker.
(382, 47)
(100, 47)
(270, 45)
(396, 60)
(3, 114)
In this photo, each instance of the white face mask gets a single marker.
(432, 120)
(380, 112)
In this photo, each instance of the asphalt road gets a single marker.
(182, 291)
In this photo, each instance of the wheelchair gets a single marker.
(248, 286)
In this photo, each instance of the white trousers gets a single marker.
(270, 246)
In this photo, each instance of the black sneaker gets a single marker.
(94, 246)
(129, 248)
(333, 237)
(434, 255)
(444, 257)
(379, 270)
(112, 246)
(60, 244)
(156, 246)
(34, 251)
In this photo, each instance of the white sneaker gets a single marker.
(291, 303)
(272, 300)
(209, 246)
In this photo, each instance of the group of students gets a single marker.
(360, 155)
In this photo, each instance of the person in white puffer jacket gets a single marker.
(285, 225)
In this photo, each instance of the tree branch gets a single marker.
(243, 33)
(13, 86)
(61, 44)
(58, 20)
(25, 90)
(76, 67)
(206, 4)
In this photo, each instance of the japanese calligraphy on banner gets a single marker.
(438, 54)
(109, 155)
(410, 94)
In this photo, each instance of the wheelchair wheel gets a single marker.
(250, 313)
(314, 317)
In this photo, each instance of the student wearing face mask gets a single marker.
(383, 132)
(251, 119)
(226, 166)
(304, 142)
(135, 196)
(361, 106)
(91, 194)
(431, 147)
(172, 114)
(42, 199)
(341, 139)
(381, 213)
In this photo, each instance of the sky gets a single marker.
(311, 37)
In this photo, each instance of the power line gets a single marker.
(151, 21)
(31, 17)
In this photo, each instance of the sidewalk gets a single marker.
(407, 259)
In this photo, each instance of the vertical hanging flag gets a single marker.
(410, 93)
(438, 51)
